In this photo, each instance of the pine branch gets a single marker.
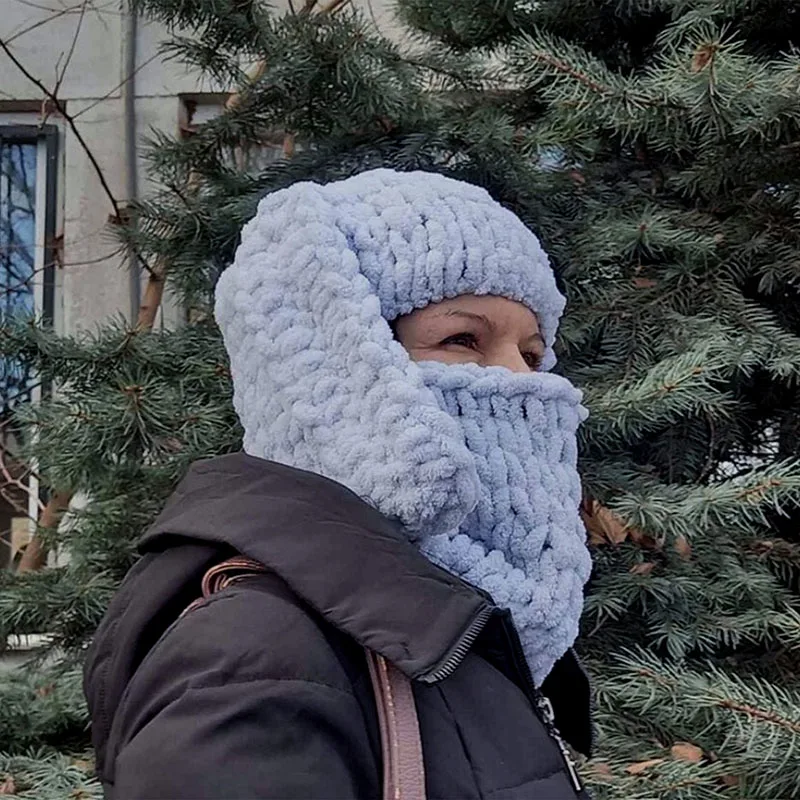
(34, 556)
(655, 158)
(761, 714)
(59, 106)
(44, 775)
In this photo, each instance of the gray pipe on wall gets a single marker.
(128, 96)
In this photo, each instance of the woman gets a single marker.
(407, 485)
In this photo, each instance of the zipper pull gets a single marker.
(549, 716)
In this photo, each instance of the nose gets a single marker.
(509, 357)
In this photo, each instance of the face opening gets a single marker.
(486, 330)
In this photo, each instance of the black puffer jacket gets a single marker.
(263, 691)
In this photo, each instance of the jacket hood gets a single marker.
(336, 553)
(340, 556)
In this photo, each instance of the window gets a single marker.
(28, 168)
(27, 227)
(198, 109)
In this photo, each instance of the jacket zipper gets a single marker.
(549, 719)
(447, 666)
(541, 704)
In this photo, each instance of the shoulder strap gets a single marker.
(401, 745)
(403, 765)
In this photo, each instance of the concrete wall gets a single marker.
(81, 44)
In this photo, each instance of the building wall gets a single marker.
(81, 44)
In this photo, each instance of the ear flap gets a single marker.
(319, 382)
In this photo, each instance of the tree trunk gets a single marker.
(34, 556)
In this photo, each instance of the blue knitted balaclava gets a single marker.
(477, 463)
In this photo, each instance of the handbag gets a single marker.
(401, 745)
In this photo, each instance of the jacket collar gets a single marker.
(349, 563)
(340, 556)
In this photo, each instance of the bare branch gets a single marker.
(99, 260)
(84, 262)
(38, 24)
(60, 78)
(59, 106)
(16, 482)
(73, 127)
(35, 555)
(333, 6)
(37, 6)
(9, 400)
(22, 283)
(109, 8)
(108, 94)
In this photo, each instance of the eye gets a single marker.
(462, 339)
(533, 359)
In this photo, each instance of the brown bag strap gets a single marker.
(403, 766)
(401, 745)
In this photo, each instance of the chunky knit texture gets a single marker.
(524, 543)
(320, 383)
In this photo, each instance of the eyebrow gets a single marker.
(454, 312)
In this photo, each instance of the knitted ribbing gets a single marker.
(524, 543)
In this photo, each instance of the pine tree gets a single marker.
(655, 147)
(671, 131)
(132, 406)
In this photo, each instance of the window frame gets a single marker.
(46, 139)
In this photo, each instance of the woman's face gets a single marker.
(486, 330)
